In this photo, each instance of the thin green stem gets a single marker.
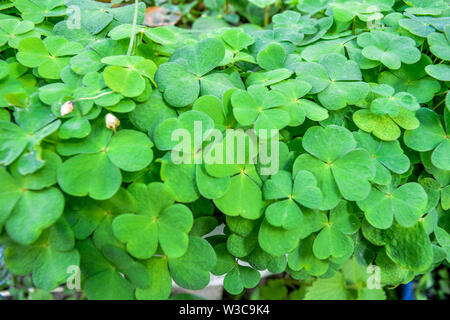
(436, 106)
(225, 7)
(266, 16)
(133, 29)
(95, 97)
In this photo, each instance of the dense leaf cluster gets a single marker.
(357, 89)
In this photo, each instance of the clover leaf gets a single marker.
(344, 11)
(409, 247)
(219, 111)
(336, 80)
(236, 41)
(389, 49)
(196, 181)
(186, 68)
(299, 108)
(266, 78)
(333, 158)
(333, 239)
(37, 11)
(89, 60)
(35, 124)
(430, 135)
(277, 241)
(126, 74)
(241, 277)
(94, 168)
(261, 260)
(29, 203)
(388, 155)
(160, 280)
(243, 196)
(112, 268)
(53, 250)
(259, 106)
(12, 31)
(50, 55)
(166, 223)
(422, 26)
(386, 102)
(382, 205)
(439, 43)
(96, 16)
(147, 115)
(426, 7)
(287, 213)
(413, 79)
(192, 270)
(303, 258)
(388, 112)
(237, 277)
(291, 26)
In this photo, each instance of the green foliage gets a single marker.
(358, 91)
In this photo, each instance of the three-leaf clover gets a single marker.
(341, 169)
(298, 107)
(53, 250)
(237, 276)
(413, 79)
(127, 74)
(180, 78)
(388, 111)
(431, 135)
(303, 258)
(190, 271)
(291, 26)
(406, 203)
(159, 220)
(12, 31)
(290, 192)
(388, 156)
(35, 124)
(334, 240)
(426, 7)
(389, 49)
(37, 10)
(50, 55)
(95, 16)
(184, 173)
(439, 43)
(110, 272)
(94, 169)
(336, 80)
(242, 196)
(236, 41)
(261, 107)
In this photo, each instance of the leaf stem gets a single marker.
(266, 16)
(95, 97)
(133, 29)
(436, 106)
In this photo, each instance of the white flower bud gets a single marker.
(67, 108)
(111, 121)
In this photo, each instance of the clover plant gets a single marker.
(357, 92)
